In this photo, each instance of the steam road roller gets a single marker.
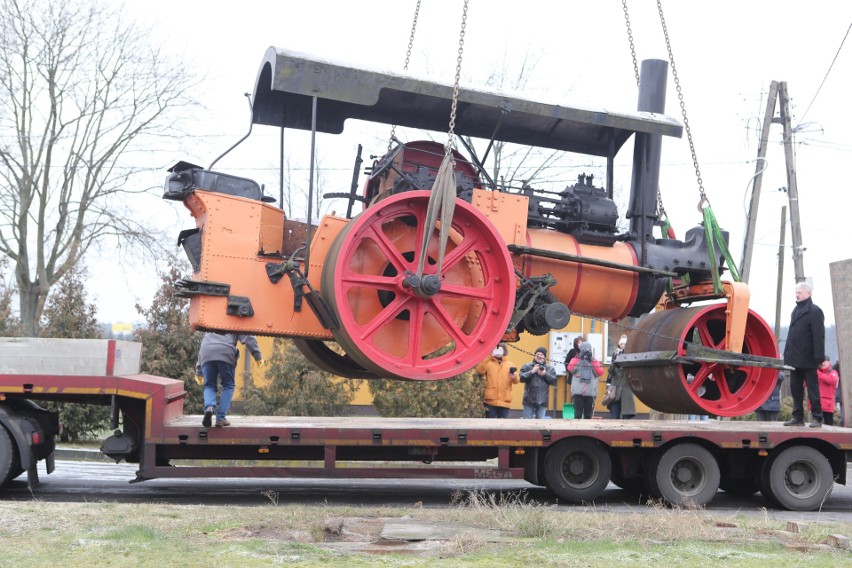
(419, 283)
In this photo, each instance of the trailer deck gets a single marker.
(679, 461)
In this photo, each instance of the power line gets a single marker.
(826, 73)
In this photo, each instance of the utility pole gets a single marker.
(777, 93)
(792, 188)
(759, 166)
(780, 271)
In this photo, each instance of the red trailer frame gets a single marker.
(679, 461)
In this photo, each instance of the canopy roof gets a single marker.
(287, 82)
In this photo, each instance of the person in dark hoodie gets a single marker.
(217, 360)
(537, 377)
(805, 351)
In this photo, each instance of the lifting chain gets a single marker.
(442, 201)
(668, 232)
(630, 40)
(407, 60)
(711, 226)
(703, 202)
(450, 135)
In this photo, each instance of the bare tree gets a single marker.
(80, 90)
(8, 322)
(512, 165)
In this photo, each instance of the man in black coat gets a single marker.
(805, 350)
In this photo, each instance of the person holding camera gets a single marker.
(537, 377)
(623, 405)
(573, 352)
(500, 374)
(584, 387)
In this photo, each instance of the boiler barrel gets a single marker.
(598, 291)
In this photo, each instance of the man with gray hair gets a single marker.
(805, 351)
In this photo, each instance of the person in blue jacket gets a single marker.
(768, 411)
(217, 360)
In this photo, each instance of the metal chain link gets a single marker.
(630, 39)
(704, 199)
(661, 211)
(450, 133)
(407, 60)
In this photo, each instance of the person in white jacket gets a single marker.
(217, 360)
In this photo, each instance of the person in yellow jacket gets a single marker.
(500, 375)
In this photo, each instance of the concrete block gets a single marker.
(839, 541)
(39, 356)
(796, 527)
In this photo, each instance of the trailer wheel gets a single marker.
(686, 474)
(10, 463)
(799, 478)
(765, 486)
(577, 470)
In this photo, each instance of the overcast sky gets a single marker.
(726, 54)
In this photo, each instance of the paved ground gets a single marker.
(83, 475)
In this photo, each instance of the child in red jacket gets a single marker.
(827, 387)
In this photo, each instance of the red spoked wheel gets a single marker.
(714, 388)
(400, 331)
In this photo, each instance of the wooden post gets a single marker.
(792, 188)
(841, 287)
(759, 166)
(780, 271)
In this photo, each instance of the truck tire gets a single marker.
(799, 478)
(765, 486)
(686, 475)
(10, 462)
(577, 469)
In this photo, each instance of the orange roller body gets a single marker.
(604, 292)
(238, 238)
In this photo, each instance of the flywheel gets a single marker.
(392, 326)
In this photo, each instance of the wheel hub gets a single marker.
(425, 287)
(800, 479)
(684, 474)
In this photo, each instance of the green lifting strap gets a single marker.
(714, 237)
(666, 227)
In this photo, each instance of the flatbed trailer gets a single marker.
(681, 462)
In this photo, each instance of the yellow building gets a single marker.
(557, 343)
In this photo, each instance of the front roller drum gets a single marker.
(719, 389)
(395, 330)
